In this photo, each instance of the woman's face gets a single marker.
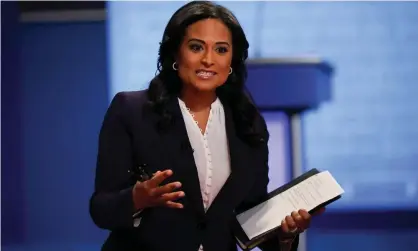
(205, 55)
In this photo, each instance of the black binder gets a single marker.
(242, 239)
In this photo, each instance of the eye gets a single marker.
(195, 47)
(222, 50)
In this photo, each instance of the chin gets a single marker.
(205, 86)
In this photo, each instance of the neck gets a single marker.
(197, 100)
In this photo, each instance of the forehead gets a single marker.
(210, 30)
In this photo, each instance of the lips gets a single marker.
(205, 74)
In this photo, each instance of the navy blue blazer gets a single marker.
(129, 137)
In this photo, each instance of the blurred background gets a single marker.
(62, 62)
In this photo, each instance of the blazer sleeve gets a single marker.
(111, 204)
(259, 190)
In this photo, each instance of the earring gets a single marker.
(230, 70)
(174, 66)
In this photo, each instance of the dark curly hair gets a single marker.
(233, 93)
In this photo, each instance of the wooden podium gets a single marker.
(290, 86)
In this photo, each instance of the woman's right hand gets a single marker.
(150, 194)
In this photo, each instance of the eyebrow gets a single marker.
(203, 42)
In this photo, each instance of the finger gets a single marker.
(170, 197)
(301, 223)
(158, 178)
(165, 189)
(290, 223)
(172, 204)
(285, 227)
(305, 215)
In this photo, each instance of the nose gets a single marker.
(207, 59)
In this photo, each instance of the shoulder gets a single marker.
(259, 122)
(126, 103)
(260, 127)
(130, 98)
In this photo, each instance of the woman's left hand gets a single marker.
(296, 223)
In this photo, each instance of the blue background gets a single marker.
(53, 105)
(368, 135)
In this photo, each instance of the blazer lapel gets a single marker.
(177, 151)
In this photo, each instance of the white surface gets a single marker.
(306, 195)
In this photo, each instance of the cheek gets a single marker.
(187, 65)
(223, 71)
(188, 61)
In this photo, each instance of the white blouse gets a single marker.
(210, 150)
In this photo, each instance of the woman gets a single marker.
(198, 133)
